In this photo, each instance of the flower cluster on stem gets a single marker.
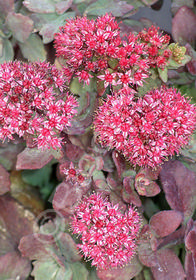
(108, 236)
(34, 103)
(148, 129)
(94, 47)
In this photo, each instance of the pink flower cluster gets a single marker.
(95, 46)
(72, 174)
(146, 130)
(108, 236)
(156, 47)
(33, 103)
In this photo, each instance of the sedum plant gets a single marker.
(97, 154)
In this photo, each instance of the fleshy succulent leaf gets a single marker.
(191, 66)
(7, 50)
(33, 48)
(20, 25)
(129, 195)
(6, 6)
(33, 158)
(145, 184)
(125, 273)
(12, 266)
(183, 26)
(68, 248)
(165, 222)
(117, 8)
(79, 271)
(179, 185)
(51, 270)
(168, 266)
(43, 7)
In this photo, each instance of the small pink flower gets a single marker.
(108, 236)
(108, 78)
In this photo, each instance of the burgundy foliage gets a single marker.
(97, 152)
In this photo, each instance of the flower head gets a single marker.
(108, 236)
(148, 129)
(83, 43)
(34, 103)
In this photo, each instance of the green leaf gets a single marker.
(40, 178)
(79, 271)
(6, 7)
(117, 8)
(68, 247)
(33, 49)
(163, 74)
(175, 65)
(7, 53)
(37, 6)
(21, 26)
(149, 83)
(49, 29)
(50, 270)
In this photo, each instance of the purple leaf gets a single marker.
(19, 224)
(144, 183)
(20, 25)
(8, 155)
(191, 66)
(12, 266)
(190, 236)
(125, 273)
(128, 193)
(179, 185)
(63, 6)
(6, 6)
(4, 180)
(87, 104)
(177, 237)
(86, 162)
(33, 158)
(146, 255)
(176, 4)
(15, 222)
(168, 266)
(37, 246)
(183, 26)
(65, 198)
(73, 152)
(190, 266)
(119, 162)
(165, 222)
(145, 252)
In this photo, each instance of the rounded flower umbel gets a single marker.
(108, 236)
(148, 129)
(34, 103)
